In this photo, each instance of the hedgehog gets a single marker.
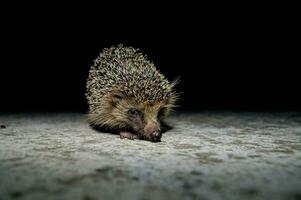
(128, 96)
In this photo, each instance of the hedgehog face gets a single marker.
(143, 119)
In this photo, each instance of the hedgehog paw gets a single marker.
(128, 135)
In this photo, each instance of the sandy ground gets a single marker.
(208, 155)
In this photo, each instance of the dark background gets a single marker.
(226, 59)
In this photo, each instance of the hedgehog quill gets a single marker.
(128, 96)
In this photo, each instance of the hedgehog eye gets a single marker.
(134, 112)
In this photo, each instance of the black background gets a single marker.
(237, 58)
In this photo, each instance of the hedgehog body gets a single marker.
(128, 95)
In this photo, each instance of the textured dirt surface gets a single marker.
(208, 155)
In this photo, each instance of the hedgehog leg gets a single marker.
(128, 135)
(165, 127)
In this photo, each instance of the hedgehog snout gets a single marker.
(153, 132)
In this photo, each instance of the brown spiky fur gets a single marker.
(120, 79)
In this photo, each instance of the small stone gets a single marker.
(16, 194)
(2, 126)
(104, 169)
(187, 186)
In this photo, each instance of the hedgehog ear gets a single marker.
(116, 98)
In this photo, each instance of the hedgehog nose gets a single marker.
(156, 136)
